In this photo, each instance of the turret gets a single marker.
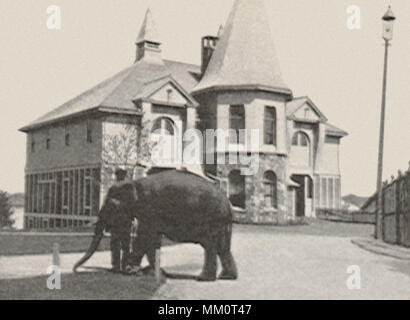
(148, 42)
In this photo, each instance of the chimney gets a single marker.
(208, 48)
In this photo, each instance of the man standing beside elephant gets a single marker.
(120, 227)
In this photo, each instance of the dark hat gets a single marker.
(120, 173)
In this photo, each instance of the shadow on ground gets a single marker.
(183, 272)
(99, 285)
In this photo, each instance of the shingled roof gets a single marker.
(332, 130)
(245, 56)
(117, 93)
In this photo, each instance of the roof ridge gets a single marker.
(182, 62)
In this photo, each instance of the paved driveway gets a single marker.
(273, 264)
(290, 266)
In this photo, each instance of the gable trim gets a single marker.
(170, 80)
(314, 108)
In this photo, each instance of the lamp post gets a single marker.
(388, 20)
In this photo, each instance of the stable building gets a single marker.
(238, 86)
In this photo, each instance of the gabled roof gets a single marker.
(149, 31)
(293, 106)
(245, 56)
(118, 92)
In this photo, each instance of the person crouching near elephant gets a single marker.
(145, 243)
(114, 219)
(145, 240)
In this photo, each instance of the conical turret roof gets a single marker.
(149, 31)
(245, 57)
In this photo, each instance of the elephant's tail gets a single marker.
(229, 235)
(226, 238)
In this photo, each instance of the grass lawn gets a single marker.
(23, 244)
(87, 286)
(15, 244)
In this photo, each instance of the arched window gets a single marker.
(300, 139)
(270, 189)
(301, 154)
(270, 126)
(163, 126)
(237, 189)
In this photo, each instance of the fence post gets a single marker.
(398, 210)
(56, 255)
(382, 209)
(158, 273)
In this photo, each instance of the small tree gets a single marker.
(127, 145)
(5, 210)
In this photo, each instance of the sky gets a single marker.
(338, 68)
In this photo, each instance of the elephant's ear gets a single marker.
(129, 193)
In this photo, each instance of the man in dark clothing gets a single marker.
(119, 224)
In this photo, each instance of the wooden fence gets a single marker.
(346, 216)
(396, 210)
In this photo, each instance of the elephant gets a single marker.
(184, 207)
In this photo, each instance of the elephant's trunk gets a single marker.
(91, 250)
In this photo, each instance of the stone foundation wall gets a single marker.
(255, 211)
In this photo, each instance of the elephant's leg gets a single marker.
(139, 249)
(125, 247)
(210, 266)
(154, 244)
(229, 269)
(115, 246)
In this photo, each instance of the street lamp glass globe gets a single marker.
(388, 21)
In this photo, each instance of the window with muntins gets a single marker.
(163, 126)
(270, 188)
(236, 123)
(300, 140)
(270, 126)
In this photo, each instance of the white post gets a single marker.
(158, 273)
(56, 255)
